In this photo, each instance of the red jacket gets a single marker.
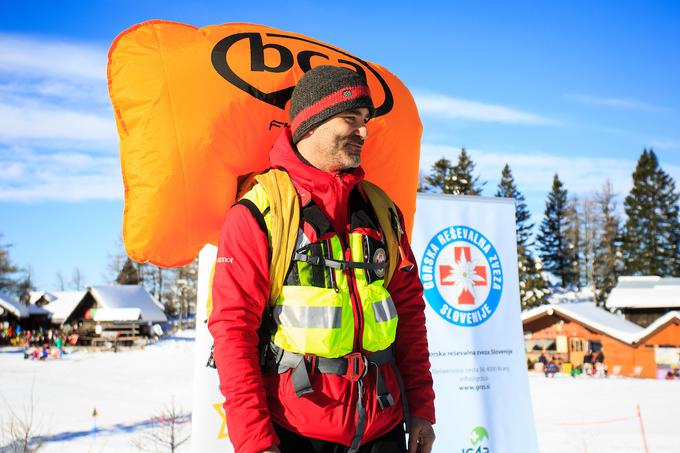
(240, 293)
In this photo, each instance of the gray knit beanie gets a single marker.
(324, 92)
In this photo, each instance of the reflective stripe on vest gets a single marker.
(313, 313)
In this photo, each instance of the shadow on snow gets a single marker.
(118, 428)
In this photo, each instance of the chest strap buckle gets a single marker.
(357, 366)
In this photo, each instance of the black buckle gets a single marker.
(385, 401)
(357, 366)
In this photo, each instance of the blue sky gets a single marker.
(578, 88)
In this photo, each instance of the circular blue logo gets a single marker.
(462, 276)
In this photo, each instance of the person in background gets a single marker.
(600, 370)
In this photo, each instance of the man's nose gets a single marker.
(363, 132)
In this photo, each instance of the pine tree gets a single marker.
(11, 280)
(533, 288)
(607, 263)
(7, 269)
(24, 287)
(457, 179)
(652, 231)
(555, 248)
(441, 176)
(464, 182)
(128, 275)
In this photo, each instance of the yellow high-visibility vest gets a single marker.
(315, 304)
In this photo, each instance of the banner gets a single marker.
(467, 258)
(208, 423)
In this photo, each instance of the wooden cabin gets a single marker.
(121, 313)
(568, 330)
(27, 316)
(644, 299)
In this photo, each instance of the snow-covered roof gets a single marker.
(659, 323)
(645, 292)
(116, 314)
(37, 295)
(588, 314)
(599, 319)
(13, 306)
(63, 304)
(129, 296)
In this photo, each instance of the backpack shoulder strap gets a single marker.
(386, 211)
(284, 222)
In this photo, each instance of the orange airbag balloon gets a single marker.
(198, 109)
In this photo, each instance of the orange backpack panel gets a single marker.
(197, 111)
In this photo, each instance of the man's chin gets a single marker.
(351, 164)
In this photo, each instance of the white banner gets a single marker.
(208, 424)
(466, 253)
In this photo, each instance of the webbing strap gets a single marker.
(404, 400)
(361, 419)
(300, 377)
(338, 264)
(302, 385)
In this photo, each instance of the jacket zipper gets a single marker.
(354, 296)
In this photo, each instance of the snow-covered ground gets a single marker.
(130, 388)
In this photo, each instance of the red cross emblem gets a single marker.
(464, 275)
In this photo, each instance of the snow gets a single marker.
(130, 388)
(588, 314)
(116, 314)
(645, 292)
(599, 319)
(10, 304)
(35, 296)
(599, 415)
(62, 304)
(129, 296)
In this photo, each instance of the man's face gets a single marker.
(339, 140)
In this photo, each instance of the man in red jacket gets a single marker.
(337, 362)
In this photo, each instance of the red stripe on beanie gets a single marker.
(329, 101)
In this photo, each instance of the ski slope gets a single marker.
(130, 388)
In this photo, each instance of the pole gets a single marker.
(94, 418)
(642, 429)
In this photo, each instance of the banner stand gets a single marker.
(466, 252)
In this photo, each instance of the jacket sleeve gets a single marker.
(240, 292)
(412, 354)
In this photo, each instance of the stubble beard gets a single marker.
(347, 154)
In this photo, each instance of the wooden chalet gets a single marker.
(119, 314)
(27, 316)
(644, 299)
(568, 330)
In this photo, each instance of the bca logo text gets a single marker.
(285, 60)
